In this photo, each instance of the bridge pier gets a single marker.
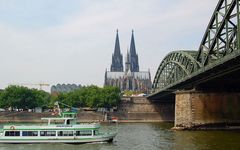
(198, 109)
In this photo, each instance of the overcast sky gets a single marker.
(71, 41)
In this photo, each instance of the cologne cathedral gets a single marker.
(130, 78)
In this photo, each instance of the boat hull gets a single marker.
(75, 140)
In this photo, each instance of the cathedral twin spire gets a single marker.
(131, 60)
(133, 56)
(117, 59)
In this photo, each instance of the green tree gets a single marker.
(91, 96)
(111, 96)
(41, 97)
(1, 101)
(22, 97)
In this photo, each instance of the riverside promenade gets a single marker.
(85, 116)
(131, 109)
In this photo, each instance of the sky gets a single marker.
(72, 41)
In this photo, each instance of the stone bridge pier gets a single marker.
(198, 109)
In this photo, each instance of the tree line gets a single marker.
(89, 96)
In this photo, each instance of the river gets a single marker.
(149, 136)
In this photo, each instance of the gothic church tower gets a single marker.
(129, 78)
(117, 59)
(133, 56)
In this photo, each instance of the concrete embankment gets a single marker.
(30, 117)
(132, 109)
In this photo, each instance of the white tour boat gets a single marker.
(62, 129)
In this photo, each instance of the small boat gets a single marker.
(62, 129)
(114, 119)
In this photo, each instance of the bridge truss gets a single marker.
(220, 41)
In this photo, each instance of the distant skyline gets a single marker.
(72, 41)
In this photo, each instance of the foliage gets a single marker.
(91, 96)
(131, 93)
(22, 97)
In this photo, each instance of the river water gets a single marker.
(149, 136)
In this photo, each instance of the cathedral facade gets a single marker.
(130, 78)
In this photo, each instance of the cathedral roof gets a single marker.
(114, 75)
(143, 75)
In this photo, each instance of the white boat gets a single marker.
(58, 130)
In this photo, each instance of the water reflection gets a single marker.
(195, 140)
(150, 136)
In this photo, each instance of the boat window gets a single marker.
(84, 133)
(68, 121)
(47, 133)
(12, 133)
(29, 133)
(95, 132)
(65, 133)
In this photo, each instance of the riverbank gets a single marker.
(131, 109)
(228, 128)
(210, 127)
(89, 116)
(31, 117)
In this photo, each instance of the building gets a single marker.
(63, 88)
(130, 78)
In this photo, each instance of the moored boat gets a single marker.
(114, 119)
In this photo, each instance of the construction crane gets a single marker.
(31, 84)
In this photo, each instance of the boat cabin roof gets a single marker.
(64, 120)
(67, 117)
(69, 114)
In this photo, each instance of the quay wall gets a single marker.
(142, 109)
(132, 109)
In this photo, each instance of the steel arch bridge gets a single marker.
(220, 45)
(175, 66)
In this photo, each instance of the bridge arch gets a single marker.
(175, 66)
